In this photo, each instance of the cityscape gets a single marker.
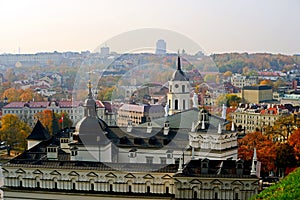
(149, 113)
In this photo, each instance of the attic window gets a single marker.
(64, 140)
(132, 154)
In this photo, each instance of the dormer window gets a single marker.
(74, 151)
(52, 149)
(132, 153)
(169, 155)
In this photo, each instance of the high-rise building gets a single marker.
(160, 47)
(104, 51)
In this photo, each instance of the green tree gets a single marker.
(14, 131)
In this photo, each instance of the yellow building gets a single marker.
(257, 94)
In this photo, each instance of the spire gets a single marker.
(90, 95)
(219, 129)
(254, 161)
(203, 123)
(178, 62)
(232, 126)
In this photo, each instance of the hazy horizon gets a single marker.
(250, 26)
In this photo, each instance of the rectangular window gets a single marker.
(149, 160)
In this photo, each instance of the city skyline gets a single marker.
(230, 26)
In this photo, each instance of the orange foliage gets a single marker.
(294, 141)
(266, 150)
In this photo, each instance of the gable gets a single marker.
(148, 176)
(4, 170)
(92, 174)
(216, 182)
(37, 172)
(111, 175)
(237, 183)
(195, 181)
(20, 171)
(55, 173)
(73, 173)
(166, 176)
(129, 175)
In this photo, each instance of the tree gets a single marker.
(64, 120)
(12, 94)
(227, 74)
(266, 151)
(27, 95)
(46, 118)
(285, 156)
(294, 141)
(283, 127)
(14, 131)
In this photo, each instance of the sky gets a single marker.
(217, 26)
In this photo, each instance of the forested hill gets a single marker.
(244, 62)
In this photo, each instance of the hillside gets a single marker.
(241, 62)
(287, 188)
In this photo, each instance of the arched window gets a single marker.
(183, 88)
(92, 187)
(148, 189)
(129, 189)
(176, 104)
(195, 196)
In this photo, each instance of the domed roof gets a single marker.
(91, 128)
(179, 75)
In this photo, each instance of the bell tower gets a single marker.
(179, 91)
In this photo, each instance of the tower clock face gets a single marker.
(176, 85)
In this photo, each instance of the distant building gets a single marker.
(250, 117)
(138, 113)
(104, 51)
(160, 47)
(240, 81)
(257, 94)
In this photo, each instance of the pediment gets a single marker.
(37, 171)
(111, 175)
(216, 182)
(20, 171)
(4, 170)
(129, 175)
(55, 173)
(92, 174)
(166, 176)
(148, 176)
(237, 183)
(195, 181)
(73, 173)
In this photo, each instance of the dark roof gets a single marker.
(39, 132)
(222, 168)
(257, 87)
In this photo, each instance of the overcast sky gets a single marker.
(217, 26)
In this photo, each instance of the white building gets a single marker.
(160, 47)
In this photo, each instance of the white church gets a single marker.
(188, 142)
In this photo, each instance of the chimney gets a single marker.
(149, 127)
(193, 127)
(166, 128)
(180, 165)
(129, 126)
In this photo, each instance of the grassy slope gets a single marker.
(288, 188)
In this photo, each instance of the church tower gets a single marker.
(179, 91)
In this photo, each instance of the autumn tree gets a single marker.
(27, 95)
(266, 151)
(294, 141)
(283, 127)
(12, 94)
(285, 156)
(53, 121)
(14, 131)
